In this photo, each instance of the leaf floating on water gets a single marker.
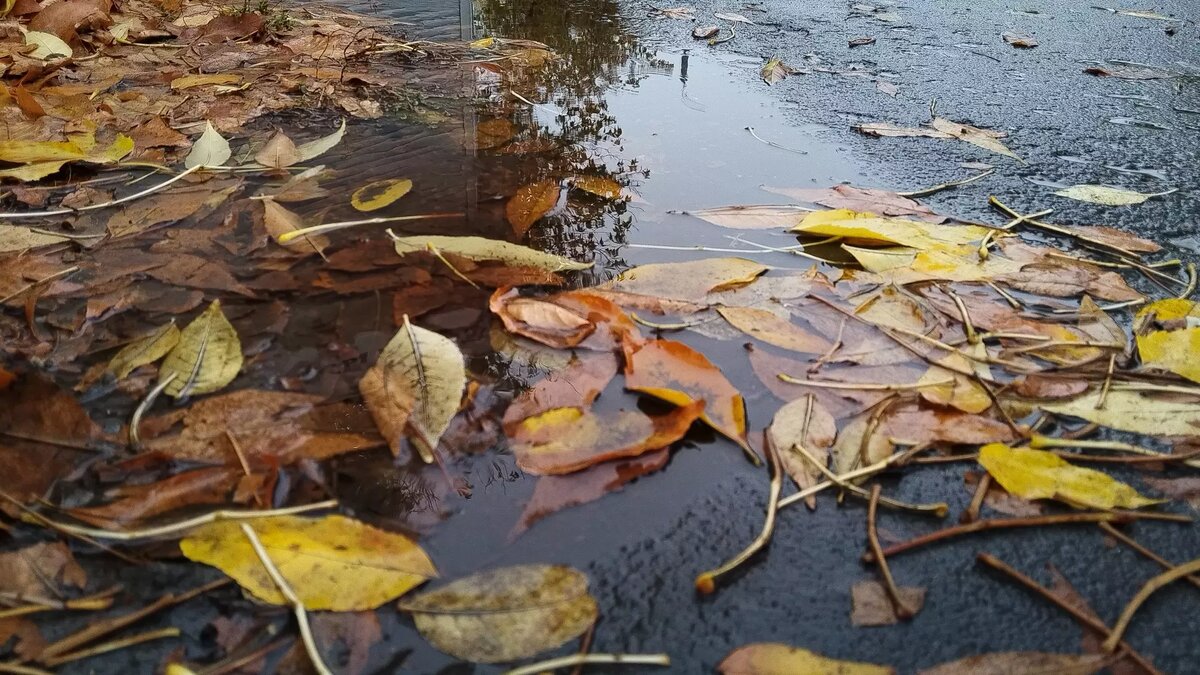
(505, 614)
(1133, 411)
(892, 130)
(1128, 71)
(279, 220)
(866, 200)
(1036, 474)
(950, 387)
(333, 563)
(568, 319)
(861, 41)
(144, 351)
(279, 152)
(735, 18)
(577, 384)
(211, 149)
(775, 71)
(530, 203)
(320, 146)
(1108, 196)
(600, 186)
(494, 133)
(690, 281)
(774, 658)
(803, 423)
(768, 327)
(677, 12)
(1020, 41)
(1168, 337)
(564, 440)
(705, 32)
(479, 248)
(1021, 663)
(870, 229)
(375, 196)
(208, 356)
(420, 377)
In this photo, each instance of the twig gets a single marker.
(1029, 219)
(438, 254)
(1191, 283)
(717, 41)
(1133, 544)
(93, 207)
(113, 646)
(968, 325)
(946, 186)
(1108, 376)
(98, 601)
(577, 659)
(18, 669)
(135, 422)
(1144, 594)
(1033, 521)
(34, 284)
(185, 525)
(329, 227)
(706, 582)
(902, 610)
(972, 512)
(39, 519)
(1040, 442)
(306, 636)
(828, 355)
(863, 386)
(773, 144)
(1079, 615)
(1013, 302)
(1140, 459)
(682, 325)
(939, 509)
(857, 473)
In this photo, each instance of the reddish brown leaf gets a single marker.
(26, 640)
(67, 17)
(39, 426)
(42, 570)
(138, 502)
(1045, 386)
(1186, 488)
(529, 204)
(575, 386)
(27, 103)
(567, 319)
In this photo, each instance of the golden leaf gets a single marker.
(208, 356)
(1175, 348)
(1036, 474)
(774, 658)
(479, 248)
(530, 203)
(146, 350)
(374, 196)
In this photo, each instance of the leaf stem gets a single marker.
(889, 583)
(939, 509)
(863, 386)
(1143, 594)
(329, 227)
(1133, 544)
(190, 523)
(93, 207)
(580, 659)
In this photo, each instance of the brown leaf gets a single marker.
(567, 319)
(863, 200)
(1061, 587)
(278, 220)
(1115, 237)
(68, 17)
(26, 640)
(42, 570)
(278, 153)
(494, 132)
(575, 386)
(138, 502)
(1020, 663)
(807, 424)
(1054, 280)
(1186, 488)
(1046, 386)
(530, 203)
(192, 200)
(39, 426)
(676, 373)
(27, 103)
(870, 604)
(193, 271)
(564, 440)
(156, 133)
(861, 41)
(1019, 41)
(840, 403)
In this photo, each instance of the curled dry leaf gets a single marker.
(1035, 474)
(416, 385)
(505, 614)
(564, 440)
(530, 203)
(211, 149)
(1107, 196)
(775, 71)
(375, 196)
(145, 351)
(567, 319)
(1021, 663)
(480, 249)
(133, 503)
(333, 563)
(870, 604)
(676, 373)
(807, 424)
(774, 658)
(207, 357)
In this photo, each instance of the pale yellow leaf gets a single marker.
(320, 146)
(479, 248)
(770, 328)
(1107, 196)
(146, 350)
(773, 658)
(47, 46)
(1036, 474)
(375, 196)
(1168, 336)
(211, 149)
(207, 357)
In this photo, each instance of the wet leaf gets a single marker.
(133, 503)
(601, 186)
(677, 12)
(678, 374)
(807, 424)
(690, 281)
(1054, 280)
(752, 217)
(775, 71)
(146, 350)
(333, 563)
(864, 200)
(44, 570)
(766, 326)
(505, 614)
(1021, 663)
(47, 46)
(211, 149)
(1035, 474)
(530, 203)
(1107, 196)
(478, 248)
(1133, 411)
(1020, 41)
(984, 138)
(1125, 71)
(705, 32)
(866, 228)
(278, 153)
(774, 658)
(279, 220)
(861, 41)
(494, 132)
(568, 319)
(420, 377)
(870, 604)
(959, 390)
(1168, 336)
(316, 148)
(375, 196)
(730, 16)
(16, 238)
(576, 385)
(1045, 386)
(1185, 489)
(892, 130)
(40, 424)
(47, 153)
(564, 440)
(208, 356)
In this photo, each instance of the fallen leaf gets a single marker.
(863, 200)
(1051, 279)
(1107, 196)
(144, 351)
(278, 220)
(279, 152)
(189, 81)
(376, 195)
(887, 88)
(575, 386)
(705, 32)
(1035, 474)
(20, 635)
(998, 499)
(775, 70)
(493, 133)
(567, 319)
(1021, 663)
(870, 604)
(774, 658)
(43, 570)
(207, 357)
(1185, 489)
(530, 203)
(505, 614)
(67, 18)
(752, 217)
(1046, 386)
(735, 18)
(768, 327)
(1019, 41)
(315, 148)
(984, 138)
(478, 248)
(563, 440)
(861, 41)
(803, 423)
(16, 238)
(866, 228)
(211, 149)
(957, 390)
(40, 424)
(1127, 71)
(678, 374)
(601, 186)
(677, 12)
(333, 563)
(690, 281)
(47, 46)
(1126, 410)
(1168, 336)
(1115, 237)
(133, 503)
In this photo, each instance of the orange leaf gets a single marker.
(565, 320)
(676, 373)
(569, 439)
(576, 385)
(530, 203)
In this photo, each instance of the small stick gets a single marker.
(972, 512)
(1191, 283)
(983, 251)
(438, 254)
(329, 227)
(682, 325)
(29, 515)
(939, 509)
(135, 422)
(1104, 308)
(1108, 376)
(190, 523)
(863, 386)
(1008, 297)
(1133, 544)
(1040, 442)
(306, 635)
(946, 459)
(92, 207)
(237, 450)
(902, 610)
(231, 664)
(1032, 521)
(130, 641)
(770, 143)
(1103, 459)
(706, 582)
(577, 659)
(95, 602)
(968, 326)
(946, 186)
(857, 473)
(837, 344)
(1079, 615)
(1029, 219)
(1144, 594)
(18, 669)
(585, 646)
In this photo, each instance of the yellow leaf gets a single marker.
(483, 43)
(47, 46)
(505, 614)
(956, 389)
(1175, 348)
(774, 658)
(1133, 411)
(984, 138)
(208, 356)
(479, 248)
(146, 350)
(333, 563)
(598, 185)
(28, 152)
(1036, 474)
(803, 423)
(871, 229)
(188, 81)
(374, 196)
(31, 172)
(530, 203)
